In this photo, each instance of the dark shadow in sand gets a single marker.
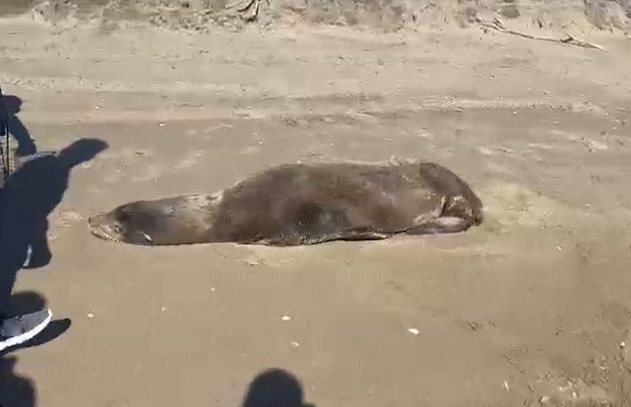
(275, 388)
(28, 197)
(15, 390)
(25, 143)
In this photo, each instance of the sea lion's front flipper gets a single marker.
(362, 234)
(444, 224)
(351, 234)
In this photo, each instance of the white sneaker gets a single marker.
(22, 328)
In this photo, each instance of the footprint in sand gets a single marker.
(67, 218)
(591, 144)
(250, 150)
(486, 151)
(498, 169)
(121, 161)
(508, 205)
(148, 173)
(189, 161)
(540, 146)
(491, 151)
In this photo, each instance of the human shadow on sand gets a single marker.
(275, 388)
(15, 390)
(28, 197)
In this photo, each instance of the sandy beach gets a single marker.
(531, 308)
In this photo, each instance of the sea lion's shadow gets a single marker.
(275, 388)
(26, 200)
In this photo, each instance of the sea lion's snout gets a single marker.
(96, 220)
(101, 227)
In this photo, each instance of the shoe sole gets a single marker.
(27, 336)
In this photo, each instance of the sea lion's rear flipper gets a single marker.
(444, 224)
(462, 202)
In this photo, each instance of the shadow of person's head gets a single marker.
(81, 151)
(275, 388)
(39, 184)
(12, 104)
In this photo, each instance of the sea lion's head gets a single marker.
(129, 223)
(184, 219)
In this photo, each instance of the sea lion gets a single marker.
(302, 204)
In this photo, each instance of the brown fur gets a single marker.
(300, 204)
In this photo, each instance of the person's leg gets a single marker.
(17, 329)
(3, 116)
(38, 252)
(4, 139)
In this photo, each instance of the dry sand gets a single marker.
(531, 308)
